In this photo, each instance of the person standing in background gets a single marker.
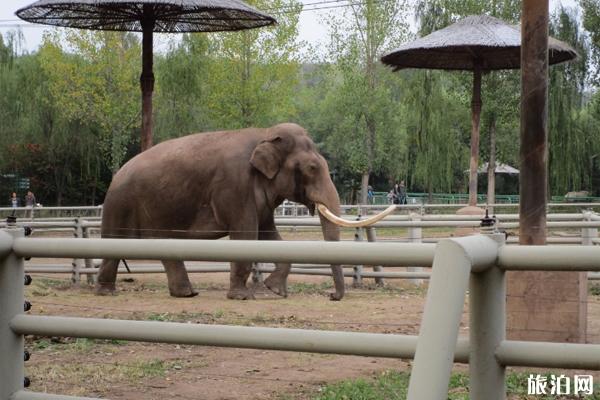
(402, 193)
(30, 203)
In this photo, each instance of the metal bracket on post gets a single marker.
(12, 300)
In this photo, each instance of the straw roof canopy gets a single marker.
(127, 15)
(500, 169)
(475, 41)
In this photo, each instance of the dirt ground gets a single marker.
(130, 370)
(215, 373)
(117, 369)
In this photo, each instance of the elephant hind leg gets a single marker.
(178, 280)
(107, 275)
(277, 281)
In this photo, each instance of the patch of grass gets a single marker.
(78, 345)
(394, 385)
(98, 377)
(309, 288)
(44, 286)
(200, 318)
(388, 385)
(594, 290)
(163, 317)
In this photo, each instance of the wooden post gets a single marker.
(147, 77)
(544, 306)
(475, 118)
(491, 194)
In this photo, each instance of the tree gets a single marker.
(253, 73)
(96, 85)
(572, 144)
(182, 88)
(359, 111)
(500, 108)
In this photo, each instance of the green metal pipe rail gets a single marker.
(475, 263)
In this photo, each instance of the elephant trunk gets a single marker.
(331, 232)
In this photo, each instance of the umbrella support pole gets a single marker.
(147, 83)
(475, 121)
(544, 306)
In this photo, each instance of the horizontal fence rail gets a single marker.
(549, 258)
(305, 340)
(229, 250)
(390, 222)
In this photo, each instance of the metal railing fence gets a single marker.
(475, 263)
(586, 222)
(290, 209)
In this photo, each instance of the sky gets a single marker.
(311, 28)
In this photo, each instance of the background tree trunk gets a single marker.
(491, 192)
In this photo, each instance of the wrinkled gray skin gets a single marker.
(211, 185)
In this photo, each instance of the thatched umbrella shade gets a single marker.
(147, 16)
(478, 44)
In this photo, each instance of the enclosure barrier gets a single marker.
(286, 209)
(587, 222)
(475, 263)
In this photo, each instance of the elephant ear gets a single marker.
(267, 157)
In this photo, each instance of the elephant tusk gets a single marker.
(324, 211)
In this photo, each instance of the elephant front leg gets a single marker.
(178, 279)
(240, 271)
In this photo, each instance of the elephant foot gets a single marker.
(277, 286)
(240, 294)
(105, 288)
(335, 296)
(187, 291)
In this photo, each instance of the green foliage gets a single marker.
(70, 111)
(93, 82)
(181, 75)
(573, 139)
(253, 73)
(393, 385)
(359, 119)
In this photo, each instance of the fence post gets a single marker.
(77, 263)
(487, 329)
(588, 234)
(358, 237)
(12, 277)
(453, 263)
(372, 237)
(88, 262)
(257, 275)
(415, 235)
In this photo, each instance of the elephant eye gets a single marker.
(312, 168)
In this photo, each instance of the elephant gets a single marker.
(217, 184)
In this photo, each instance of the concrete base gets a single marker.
(547, 306)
